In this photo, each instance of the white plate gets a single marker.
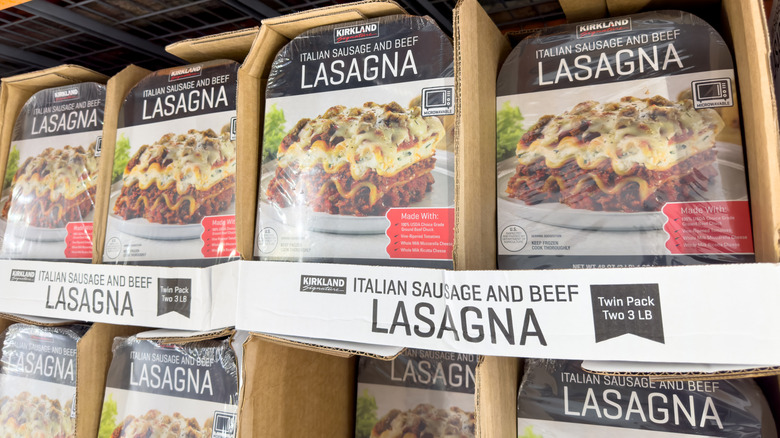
(729, 186)
(438, 197)
(140, 227)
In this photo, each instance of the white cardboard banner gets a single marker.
(716, 314)
(175, 298)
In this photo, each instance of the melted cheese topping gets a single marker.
(197, 158)
(383, 138)
(654, 133)
(424, 421)
(57, 173)
(28, 416)
(156, 425)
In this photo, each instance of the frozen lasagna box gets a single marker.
(38, 381)
(48, 198)
(559, 399)
(155, 389)
(173, 185)
(419, 394)
(357, 146)
(619, 144)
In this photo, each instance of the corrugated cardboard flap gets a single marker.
(476, 68)
(116, 90)
(311, 345)
(291, 391)
(252, 77)
(38, 320)
(185, 336)
(292, 25)
(228, 45)
(674, 372)
(581, 10)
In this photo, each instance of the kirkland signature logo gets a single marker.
(185, 73)
(322, 284)
(23, 275)
(603, 27)
(70, 93)
(357, 32)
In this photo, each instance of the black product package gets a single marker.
(618, 145)
(48, 198)
(419, 394)
(559, 399)
(159, 389)
(358, 146)
(173, 187)
(38, 380)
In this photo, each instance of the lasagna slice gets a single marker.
(426, 421)
(357, 161)
(54, 188)
(154, 424)
(28, 416)
(180, 178)
(627, 156)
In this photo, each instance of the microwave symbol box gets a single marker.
(438, 101)
(712, 93)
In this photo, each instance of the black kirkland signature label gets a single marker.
(323, 284)
(24, 275)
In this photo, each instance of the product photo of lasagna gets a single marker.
(633, 155)
(179, 179)
(426, 421)
(154, 424)
(358, 161)
(53, 188)
(28, 416)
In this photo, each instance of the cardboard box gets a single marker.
(116, 90)
(252, 78)
(746, 28)
(229, 45)
(210, 399)
(15, 90)
(289, 391)
(92, 357)
(480, 49)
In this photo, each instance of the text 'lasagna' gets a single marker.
(632, 155)
(357, 161)
(180, 179)
(54, 188)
